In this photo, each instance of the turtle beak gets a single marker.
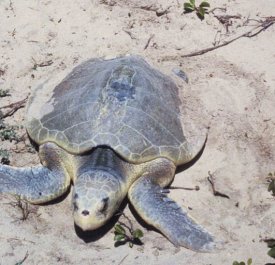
(86, 222)
(90, 218)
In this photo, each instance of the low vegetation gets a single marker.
(4, 156)
(4, 93)
(8, 132)
(271, 180)
(125, 233)
(249, 262)
(271, 244)
(200, 10)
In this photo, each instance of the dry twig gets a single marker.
(130, 227)
(109, 3)
(23, 260)
(43, 64)
(13, 107)
(215, 192)
(148, 41)
(183, 188)
(226, 20)
(17, 239)
(217, 8)
(130, 34)
(123, 259)
(2, 71)
(149, 8)
(23, 206)
(159, 12)
(11, 7)
(263, 25)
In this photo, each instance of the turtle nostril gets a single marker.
(85, 212)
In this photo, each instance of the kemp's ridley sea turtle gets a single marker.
(112, 128)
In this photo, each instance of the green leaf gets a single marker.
(271, 252)
(201, 13)
(270, 242)
(119, 229)
(192, 2)
(204, 4)
(188, 7)
(249, 261)
(271, 187)
(236, 263)
(119, 237)
(137, 233)
(242, 263)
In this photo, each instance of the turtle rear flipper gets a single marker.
(36, 185)
(164, 214)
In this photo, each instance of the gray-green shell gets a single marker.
(122, 103)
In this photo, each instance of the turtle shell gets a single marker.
(122, 103)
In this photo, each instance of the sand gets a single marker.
(231, 90)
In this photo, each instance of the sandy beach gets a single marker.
(231, 90)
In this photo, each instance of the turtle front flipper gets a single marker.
(36, 185)
(158, 210)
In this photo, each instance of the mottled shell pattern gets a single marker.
(122, 103)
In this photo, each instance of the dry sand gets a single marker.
(231, 90)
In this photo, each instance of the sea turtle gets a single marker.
(112, 128)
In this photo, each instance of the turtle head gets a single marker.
(97, 195)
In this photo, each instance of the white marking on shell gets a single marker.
(47, 107)
(38, 105)
(41, 101)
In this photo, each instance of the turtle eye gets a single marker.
(104, 205)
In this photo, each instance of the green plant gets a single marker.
(201, 10)
(23, 207)
(8, 132)
(271, 244)
(30, 149)
(271, 180)
(122, 237)
(4, 156)
(249, 262)
(125, 233)
(271, 252)
(4, 93)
